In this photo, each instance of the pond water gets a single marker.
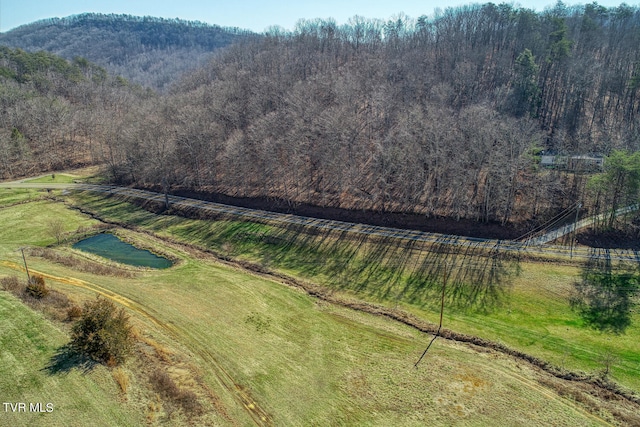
(111, 247)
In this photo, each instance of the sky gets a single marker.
(255, 15)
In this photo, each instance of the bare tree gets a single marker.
(56, 229)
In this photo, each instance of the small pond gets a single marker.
(111, 247)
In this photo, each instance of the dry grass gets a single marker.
(10, 284)
(82, 265)
(122, 379)
(167, 388)
(161, 352)
(52, 303)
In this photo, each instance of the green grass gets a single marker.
(28, 224)
(302, 361)
(528, 311)
(12, 196)
(59, 178)
(28, 344)
(309, 363)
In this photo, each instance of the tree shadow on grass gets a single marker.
(66, 359)
(477, 277)
(604, 297)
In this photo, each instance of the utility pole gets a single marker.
(165, 188)
(24, 259)
(444, 287)
(575, 227)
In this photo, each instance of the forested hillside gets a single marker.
(442, 116)
(54, 113)
(149, 51)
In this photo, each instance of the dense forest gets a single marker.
(441, 116)
(149, 51)
(53, 111)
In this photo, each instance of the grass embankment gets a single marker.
(88, 174)
(253, 348)
(10, 197)
(522, 305)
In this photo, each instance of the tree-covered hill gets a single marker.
(54, 112)
(149, 51)
(439, 116)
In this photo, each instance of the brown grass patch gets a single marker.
(82, 265)
(122, 379)
(471, 383)
(167, 388)
(10, 284)
(37, 296)
(161, 352)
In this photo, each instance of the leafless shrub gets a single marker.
(164, 385)
(10, 284)
(74, 313)
(36, 287)
(55, 228)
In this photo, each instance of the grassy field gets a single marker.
(10, 197)
(88, 174)
(526, 307)
(258, 352)
(28, 343)
(60, 178)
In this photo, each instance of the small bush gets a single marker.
(103, 332)
(74, 313)
(10, 284)
(36, 287)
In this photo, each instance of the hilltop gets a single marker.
(149, 51)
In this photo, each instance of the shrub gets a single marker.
(74, 313)
(10, 283)
(36, 287)
(103, 332)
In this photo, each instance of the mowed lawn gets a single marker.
(268, 349)
(60, 178)
(13, 196)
